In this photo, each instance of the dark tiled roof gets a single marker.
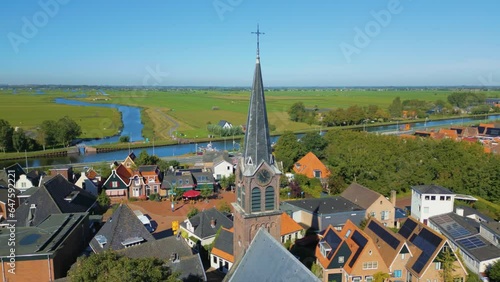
(147, 168)
(431, 189)
(267, 260)
(224, 241)
(326, 205)
(360, 195)
(172, 178)
(34, 176)
(257, 140)
(122, 225)
(50, 199)
(190, 268)
(17, 168)
(202, 226)
(4, 194)
(161, 249)
(493, 226)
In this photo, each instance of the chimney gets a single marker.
(459, 211)
(212, 222)
(393, 197)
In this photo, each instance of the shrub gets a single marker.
(132, 199)
(124, 139)
(192, 212)
(155, 197)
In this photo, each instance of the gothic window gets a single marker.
(256, 199)
(269, 198)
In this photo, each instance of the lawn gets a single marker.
(28, 110)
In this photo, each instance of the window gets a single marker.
(348, 233)
(372, 214)
(23, 184)
(317, 173)
(433, 198)
(427, 197)
(179, 182)
(448, 198)
(438, 265)
(324, 248)
(356, 279)
(368, 278)
(403, 256)
(219, 176)
(215, 259)
(341, 259)
(114, 184)
(441, 198)
(255, 200)
(269, 198)
(228, 168)
(426, 209)
(384, 215)
(398, 273)
(370, 265)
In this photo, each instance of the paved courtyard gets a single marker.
(162, 216)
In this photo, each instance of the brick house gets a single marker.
(375, 204)
(312, 167)
(45, 252)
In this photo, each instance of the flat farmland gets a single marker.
(28, 110)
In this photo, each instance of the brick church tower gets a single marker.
(257, 176)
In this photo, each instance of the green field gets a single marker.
(28, 110)
(194, 109)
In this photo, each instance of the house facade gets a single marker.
(430, 200)
(200, 230)
(222, 256)
(117, 184)
(348, 255)
(376, 205)
(222, 167)
(312, 167)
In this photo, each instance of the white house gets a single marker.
(24, 183)
(222, 167)
(225, 124)
(430, 200)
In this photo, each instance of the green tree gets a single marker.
(19, 140)
(447, 259)
(103, 200)
(206, 192)
(47, 133)
(124, 139)
(192, 212)
(147, 159)
(396, 108)
(297, 112)
(103, 169)
(313, 142)
(494, 272)
(110, 266)
(67, 130)
(224, 207)
(380, 276)
(288, 149)
(6, 132)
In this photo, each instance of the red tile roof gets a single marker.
(288, 225)
(310, 163)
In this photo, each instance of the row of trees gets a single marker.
(386, 163)
(15, 140)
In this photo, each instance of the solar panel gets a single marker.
(361, 241)
(407, 228)
(420, 262)
(455, 230)
(471, 242)
(332, 239)
(384, 234)
(430, 237)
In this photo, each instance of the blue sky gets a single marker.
(208, 42)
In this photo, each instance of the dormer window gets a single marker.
(132, 241)
(324, 248)
(317, 174)
(101, 240)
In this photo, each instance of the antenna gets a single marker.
(258, 33)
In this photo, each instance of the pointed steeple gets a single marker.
(257, 140)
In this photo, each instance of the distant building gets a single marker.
(430, 200)
(225, 124)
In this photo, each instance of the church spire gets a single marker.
(257, 140)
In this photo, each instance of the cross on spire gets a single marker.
(258, 35)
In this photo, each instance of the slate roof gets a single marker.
(148, 168)
(178, 179)
(257, 140)
(43, 239)
(327, 205)
(202, 226)
(431, 189)
(50, 199)
(223, 244)
(4, 194)
(278, 264)
(16, 167)
(189, 264)
(122, 225)
(360, 195)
